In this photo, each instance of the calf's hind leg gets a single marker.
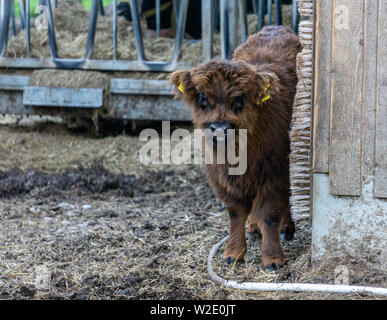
(253, 225)
(271, 217)
(288, 230)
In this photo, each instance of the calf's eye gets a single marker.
(238, 104)
(204, 104)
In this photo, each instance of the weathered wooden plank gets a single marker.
(63, 97)
(346, 97)
(369, 93)
(381, 107)
(14, 83)
(145, 87)
(322, 86)
(149, 107)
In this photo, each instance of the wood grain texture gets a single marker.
(322, 86)
(346, 97)
(380, 190)
(369, 93)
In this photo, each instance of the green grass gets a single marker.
(87, 3)
(34, 4)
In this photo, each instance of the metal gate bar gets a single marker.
(243, 20)
(295, 16)
(278, 12)
(22, 14)
(28, 33)
(114, 29)
(207, 28)
(269, 12)
(92, 28)
(261, 15)
(158, 22)
(51, 32)
(4, 24)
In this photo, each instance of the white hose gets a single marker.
(304, 287)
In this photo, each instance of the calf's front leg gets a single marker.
(236, 243)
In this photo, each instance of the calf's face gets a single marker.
(225, 95)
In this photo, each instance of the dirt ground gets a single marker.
(81, 218)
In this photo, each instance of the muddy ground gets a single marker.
(81, 218)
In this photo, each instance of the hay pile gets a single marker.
(69, 79)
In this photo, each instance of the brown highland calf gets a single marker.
(253, 91)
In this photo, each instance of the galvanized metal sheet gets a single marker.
(145, 87)
(102, 65)
(17, 83)
(63, 97)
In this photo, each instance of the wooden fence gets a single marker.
(350, 95)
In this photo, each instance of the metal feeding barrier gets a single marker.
(141, 64)
(151, 99)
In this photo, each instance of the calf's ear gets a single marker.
(182, 82)
(268, 84)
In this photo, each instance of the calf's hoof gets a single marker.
(272, 263)
(286, 235)
(234, 253)
(252, 226)
(231, 260)
(272, 267)
(288, 232)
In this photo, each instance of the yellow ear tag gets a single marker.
(181, 88)
(267, 96)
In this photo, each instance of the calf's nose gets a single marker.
(221, 126)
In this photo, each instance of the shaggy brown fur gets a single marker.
(231, 92)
